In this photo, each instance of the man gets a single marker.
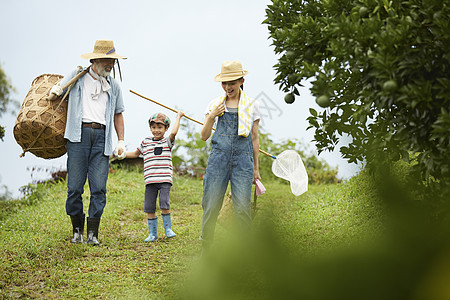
(95, 107)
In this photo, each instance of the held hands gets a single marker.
(119, 152)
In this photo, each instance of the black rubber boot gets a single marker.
(77, 228)
(92, 231)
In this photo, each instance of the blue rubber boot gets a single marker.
(152, 230)
(168, 225)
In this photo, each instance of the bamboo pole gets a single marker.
(169, 108)
(73, 80)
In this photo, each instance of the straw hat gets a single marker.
(102, 49)
(231, 70)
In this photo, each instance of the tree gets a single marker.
(5, 90)
(379, 69)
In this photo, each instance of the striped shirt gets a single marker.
(157, 160)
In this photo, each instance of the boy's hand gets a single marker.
(180, 114)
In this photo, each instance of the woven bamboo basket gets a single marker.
(40, 124)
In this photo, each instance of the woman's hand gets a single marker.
(256, 176)
(217, 111)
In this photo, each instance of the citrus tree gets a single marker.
(379, 71)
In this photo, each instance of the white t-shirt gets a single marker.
(94, 110)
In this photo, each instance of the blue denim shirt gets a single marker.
(74, 110)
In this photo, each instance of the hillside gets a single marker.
(330, 241)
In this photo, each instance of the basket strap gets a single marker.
(30, 147)
(41, 148)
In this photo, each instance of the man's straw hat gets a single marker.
(231, 70)
(102, 49)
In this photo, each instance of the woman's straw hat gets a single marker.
(231, 70)
(102, 49)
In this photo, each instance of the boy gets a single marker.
(157, 154)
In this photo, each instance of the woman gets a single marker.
(234, 152)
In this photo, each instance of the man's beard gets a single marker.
(102, 71)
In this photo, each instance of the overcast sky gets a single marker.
(174, 50)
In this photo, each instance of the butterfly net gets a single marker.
(289, 165)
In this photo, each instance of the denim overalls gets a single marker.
(231, 159)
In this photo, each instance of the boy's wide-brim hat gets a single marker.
(103, 49)
(231, 70)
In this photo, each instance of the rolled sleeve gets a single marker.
(120, 107)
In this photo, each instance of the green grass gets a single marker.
(38, 259)
(287, 254)
(330, 216)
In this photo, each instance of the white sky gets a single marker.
(174, 50)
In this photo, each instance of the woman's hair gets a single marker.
(242, 85)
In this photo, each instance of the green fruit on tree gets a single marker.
(289, 98)
(290, 54)
(323, 101)
(437, 15)
(355, 70)
(292, 78)
(363, 11)
(390, 86)
(309, 54)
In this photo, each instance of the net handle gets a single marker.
(169, 108)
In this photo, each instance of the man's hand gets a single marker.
(120, 150)
(57, 90)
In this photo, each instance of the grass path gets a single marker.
(37, 259)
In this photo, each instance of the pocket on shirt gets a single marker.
(158, 150)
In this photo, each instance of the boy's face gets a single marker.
(158, 130)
